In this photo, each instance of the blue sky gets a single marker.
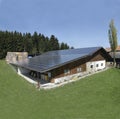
(80, 23)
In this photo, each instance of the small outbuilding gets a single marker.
(13, 57)
(117, 55)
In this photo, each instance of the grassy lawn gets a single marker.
(94, 97)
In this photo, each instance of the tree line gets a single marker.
(34, 44)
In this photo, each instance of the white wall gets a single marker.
(63, 79)
(22, 70)
(97, 65)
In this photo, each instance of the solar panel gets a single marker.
(57, 58)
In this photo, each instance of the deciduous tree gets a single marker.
(112, 32)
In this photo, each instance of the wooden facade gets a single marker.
(75, 65)
(59, 72)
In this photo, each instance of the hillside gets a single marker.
(94, 97)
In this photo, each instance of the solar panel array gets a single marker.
(54, 59)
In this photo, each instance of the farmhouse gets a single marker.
(117, 54)
(54, 65)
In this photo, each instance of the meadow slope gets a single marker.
(94, 97)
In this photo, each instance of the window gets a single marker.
(101, 64)
(49, 74)
(79, 69)
(97, 65)
(91, 66)
(46, 77)
(42, 76)
(66, 71)
(17, 58)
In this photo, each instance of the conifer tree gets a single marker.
(53, 43)
(33, 44)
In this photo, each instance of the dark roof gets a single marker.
(117, 55)
(54, 59)
(117, 49)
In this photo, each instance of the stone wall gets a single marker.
(13, 57)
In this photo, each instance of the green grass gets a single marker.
(94, 97)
